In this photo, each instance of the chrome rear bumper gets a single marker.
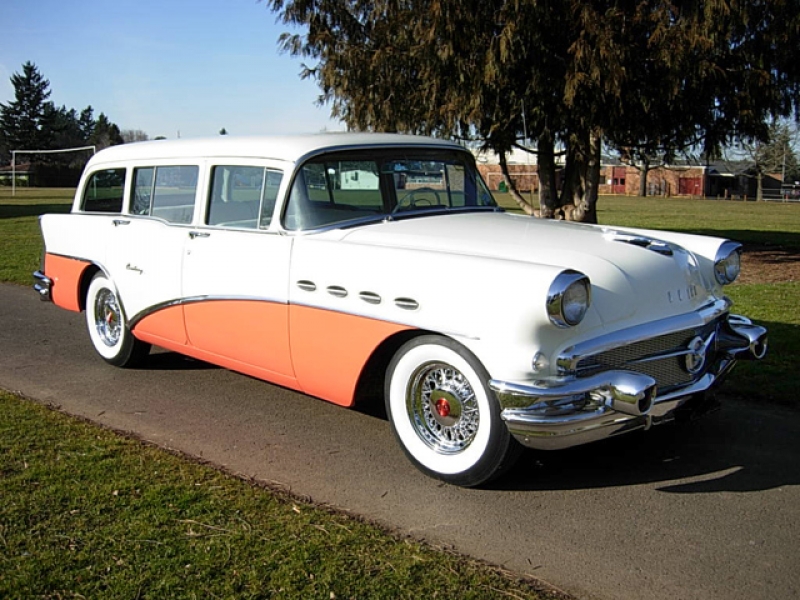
(43, 286)
(560, 412)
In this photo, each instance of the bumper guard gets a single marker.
(560, 412)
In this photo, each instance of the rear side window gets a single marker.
(242, 197)
(104, 191)
(165, 192)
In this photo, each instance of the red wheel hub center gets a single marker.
(443, 407)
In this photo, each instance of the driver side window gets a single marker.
(329, 192)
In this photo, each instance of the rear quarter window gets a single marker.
(166, 192)
(104, 191)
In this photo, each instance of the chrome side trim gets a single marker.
(193, 300)
(365, 314)
(153, 309)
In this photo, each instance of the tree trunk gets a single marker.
(571, 188)
(548, 200)
(643, 172)
(759, 186)
(582, 179)
(526, 206)
(586, 210)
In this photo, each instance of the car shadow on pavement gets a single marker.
(165, 360)
(743, 448)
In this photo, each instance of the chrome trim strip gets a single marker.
(193, 300)
(366, 315)
(132, 322)
(568, 360)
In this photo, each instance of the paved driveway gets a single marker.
(706, 511)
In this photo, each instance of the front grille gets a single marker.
(654, 357)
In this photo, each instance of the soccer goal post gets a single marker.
(14, 160)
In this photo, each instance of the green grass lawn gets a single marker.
(20, 239)
(87, 513)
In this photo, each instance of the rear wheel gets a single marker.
(444, 415)
(108, 328)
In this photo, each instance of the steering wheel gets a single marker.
(411, 201)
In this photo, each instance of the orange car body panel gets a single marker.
(65, 273)
(330, 349)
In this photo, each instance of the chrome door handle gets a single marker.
(197, 234)
(118, 222)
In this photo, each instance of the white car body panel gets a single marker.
(249, 294)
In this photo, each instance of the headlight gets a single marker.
(569, 298)
(727, 262)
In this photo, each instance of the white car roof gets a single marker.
(290, 148)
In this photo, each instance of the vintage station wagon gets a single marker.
(350, 266)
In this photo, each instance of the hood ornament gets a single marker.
(642, 241)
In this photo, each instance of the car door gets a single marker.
(144, 260)
(235, 276)
(146, 249)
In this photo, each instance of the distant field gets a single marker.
(20, 241)
(747, 222)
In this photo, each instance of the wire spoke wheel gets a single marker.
(107, 317)
(443, 408)
(443, 414)
(108, 328)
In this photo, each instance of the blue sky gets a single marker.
(164, 66)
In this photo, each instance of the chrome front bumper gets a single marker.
(43, 286)
(560, 412)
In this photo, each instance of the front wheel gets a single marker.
(108, 329)
(444, 415)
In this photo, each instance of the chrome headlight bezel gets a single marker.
(727, 263)
(569, 298)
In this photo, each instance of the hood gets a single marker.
(632, 275)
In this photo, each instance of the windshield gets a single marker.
(341, 187)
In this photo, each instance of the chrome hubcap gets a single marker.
(442, 408)
(107, 317)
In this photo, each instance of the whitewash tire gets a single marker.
(444, 415)
(108, 328)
